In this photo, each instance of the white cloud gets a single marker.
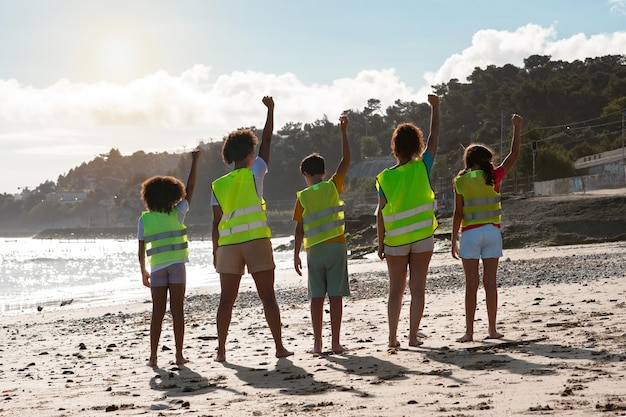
(64, 124)
(491, 47)
(618, 7)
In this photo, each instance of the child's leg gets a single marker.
(336, 312)
(490, 271)
(396, 266)
(472, 279)
(317, 312)
(229, 284)
(264, 281)
(159, 305)
(418, 269)
(177, 308)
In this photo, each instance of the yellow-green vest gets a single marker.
(409, 214)
(323, 216)
(165, 237)
(481, 202)
(243, 216)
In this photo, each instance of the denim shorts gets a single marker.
(481, 242)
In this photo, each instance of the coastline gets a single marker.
(562, 309)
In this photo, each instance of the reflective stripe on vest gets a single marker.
(323, 216)
(481, 202)
(165, 237)
(243, 216)
(409, 214)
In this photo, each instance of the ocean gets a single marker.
(69, 273)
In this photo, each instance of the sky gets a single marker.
(80, 77)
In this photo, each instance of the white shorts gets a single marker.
(424, 245)
(481, 242)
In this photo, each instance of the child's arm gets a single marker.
(268, 130)
(215, 234)
(297, 245)
(344, 164)
(433, 136)
(456, 223)
(191, 180)
(380, 226)
(508, 162)
(145, 275)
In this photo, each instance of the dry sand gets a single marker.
(564, 351)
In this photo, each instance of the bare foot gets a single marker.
(220, 357)
(415, 343)
(393, 343)
(152, 362)
(494, 335)
(181, 360)
(339, 349)
(283, 353)
(467, 337)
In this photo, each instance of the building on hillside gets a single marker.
(606, 163)
(604, 170)
(67, 197)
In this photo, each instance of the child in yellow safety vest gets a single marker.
(162, 237)
(477, 218)
(241, 236)
(320, 226)
(405, 220)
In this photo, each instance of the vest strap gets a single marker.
(242, 212)
(481, 215)
(482, 201)
(322, 213)
(409, 213)
(165, 235)
(324, 227)
(243, 228)
(166, 248)
(407, 229)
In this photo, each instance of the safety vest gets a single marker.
(481, 202)
(243, 216)
(409, 214)
(165, 237)
(323, 216)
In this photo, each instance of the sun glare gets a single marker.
(117, 58)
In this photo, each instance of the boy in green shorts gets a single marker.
(320, 226)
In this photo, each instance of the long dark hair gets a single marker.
(479, 155)
(407, 141)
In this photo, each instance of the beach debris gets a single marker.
(82, 346)
(159, 407)
(66, 302)
(39, 308)
(463, 352)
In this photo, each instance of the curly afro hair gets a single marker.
(162, 193)
(238, 145)
(407, 141)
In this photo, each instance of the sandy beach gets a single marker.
(562, 310)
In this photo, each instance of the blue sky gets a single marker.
(79, 77)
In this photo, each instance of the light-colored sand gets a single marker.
(564, 353)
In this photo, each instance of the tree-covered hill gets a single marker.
(570, 109)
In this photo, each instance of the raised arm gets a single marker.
(344, 164)
(191, 179)
(433, 136)
(268, 130)
(510, 159)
